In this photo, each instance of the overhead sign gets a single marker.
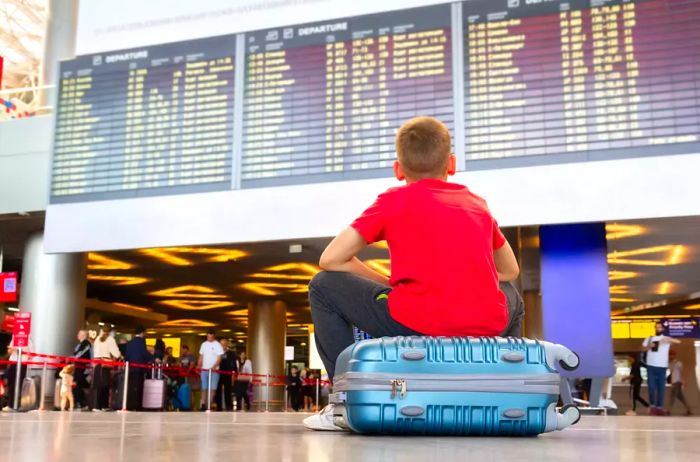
(8, 287)
(682, 328)
(21, 330)
(289, 353)
(642, 328)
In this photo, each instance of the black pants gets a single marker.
(223, 393)
(11, 374)
(241, 390)
(340, 301)
(134, 400)
(294, 395)
(81, 385)
(637, 397)
(101, 379)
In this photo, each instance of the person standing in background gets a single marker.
(186, 363)
(677, 383)
(657, 349)
(159, 350)
(209, 359)
(105, 349)
(229, 365)
(11, 372)
(136, 353)
(636, 380)
(294, 388)
(245, 371)
(83, 352)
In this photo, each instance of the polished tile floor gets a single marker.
(248, 437)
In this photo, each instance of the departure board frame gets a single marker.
(324, 99)
(573, 67)
(120, 133)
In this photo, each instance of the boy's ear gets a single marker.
(398, 171)
(452, 165)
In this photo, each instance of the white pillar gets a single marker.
(267, 337)
(53, 290)
(59, 44)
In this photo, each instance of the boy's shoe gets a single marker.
(322, 420)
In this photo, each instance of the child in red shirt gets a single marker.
(447, 258)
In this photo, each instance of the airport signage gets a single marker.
(21, 330)
(682, 328)
(8, 287)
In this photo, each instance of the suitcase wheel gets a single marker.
(570, 363)
(566, 414)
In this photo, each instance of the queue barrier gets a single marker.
(57, 362)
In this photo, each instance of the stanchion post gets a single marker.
(43, 387)
(286, 400)
(267, 392)
(18, 375)
(126, 386)
(318, 395)
(209, 393)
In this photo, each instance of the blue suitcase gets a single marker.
(452, 386)
(183, 398)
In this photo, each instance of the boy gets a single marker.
(447, 258)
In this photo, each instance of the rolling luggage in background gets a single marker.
(29, 397)
(154, 391)
(183, 398)
(452, 386)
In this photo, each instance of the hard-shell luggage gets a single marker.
(452, 386)
(183, 398)
(29, 397)
(154, 392)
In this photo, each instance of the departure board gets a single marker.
(144, 122)
(323, 101)
(581, 79)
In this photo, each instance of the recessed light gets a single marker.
(12, 308)
(296, 248)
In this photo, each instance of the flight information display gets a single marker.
(145, 122)
(581, 79)
(323, 101)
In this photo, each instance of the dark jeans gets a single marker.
(342, 300)
(241, 389)
(656, 381)
(101, 379)
(223, 393)
(636, 396)
(81, 385)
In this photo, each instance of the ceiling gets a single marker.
(654, 264)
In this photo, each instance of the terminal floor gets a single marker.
(252, 437)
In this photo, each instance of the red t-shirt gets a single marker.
(441, 240)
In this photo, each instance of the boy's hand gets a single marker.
(340, 255)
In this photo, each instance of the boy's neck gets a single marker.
(412, 180)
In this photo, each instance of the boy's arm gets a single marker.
(506, 263)
(340, 255)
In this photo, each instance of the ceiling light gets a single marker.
(151, 332)
(241, 341)
(620, 231)
(619, 289)
(674, 253)
(12, 308)
(692, 307)
(131, 307)
(189, 291)
(172, 255)
(621, 300)
(665, 288)
(167, 335)
(118, 280)
(295, 248)
(615, 275)
(266, 288)
(380, 265)
(100, 323)
(97, 261)
(225, 330)
(186, 323)
(196, 305)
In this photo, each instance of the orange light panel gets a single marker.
(131, 307)
(97, 261)
(118, 280)
(173, 255)
(616, 275)
(196, 305)
(620, 231)
(189, 292)
(670, 254)
(380, 265)
(273, 288)
(186, 323)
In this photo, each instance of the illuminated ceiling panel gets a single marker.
(97, 261)
(176, 255)
(131, 307)
(189, 291)
(620, 231)
(620, 289)
(186, 323)
(274, 288)
(196, 305)
(665, 255)
(615, 275)
(692, 307)
(118, 280)
(291, 271)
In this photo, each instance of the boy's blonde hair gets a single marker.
(423, 147)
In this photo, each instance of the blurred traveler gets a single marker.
(657, 348)
(294, 384)
(82, 351)
(229, 365)
(635, 379)
(169, 359)
(136, 354)
(245, 375)
(105, 349)
(187, 362)
(308, 390)
(159, 350)
(11, 372)
(209, 359)
(677, 383)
